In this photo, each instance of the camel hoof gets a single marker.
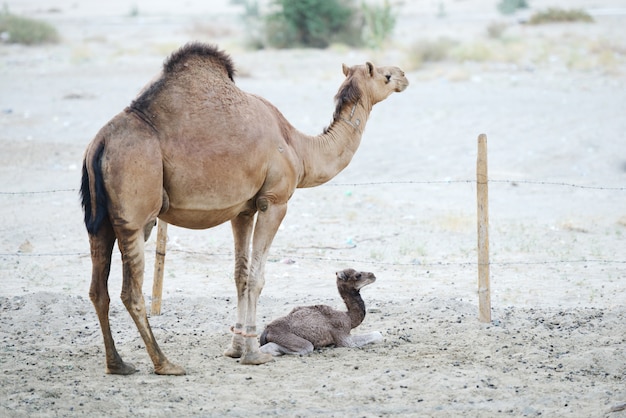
(122, 368)
(233, 352)
(236, 347)
(170, 369)
(255, 358)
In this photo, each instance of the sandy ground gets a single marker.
(404, 209)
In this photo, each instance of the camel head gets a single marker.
(354, 279)
(376, 82)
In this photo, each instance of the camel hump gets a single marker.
(211, 53)
(201, 61)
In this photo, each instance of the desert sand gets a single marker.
(551, 101)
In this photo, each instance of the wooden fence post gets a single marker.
(159, 263)
(482, 191)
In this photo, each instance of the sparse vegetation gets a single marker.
(252, 23)
(429, 50)
(379, 23)
(495, 30)
(318, 23)
(553, 15)
(572, 52)
(476, 51)
(23, 30)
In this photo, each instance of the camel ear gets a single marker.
(345, 69)
(341, 275)
(370, 68)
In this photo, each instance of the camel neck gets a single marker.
(326, 155)
(356, 307)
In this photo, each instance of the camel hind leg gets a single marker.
(101, 248)
(132, 249)
(132, 167)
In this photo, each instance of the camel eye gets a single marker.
(388, 77)
(358, 275)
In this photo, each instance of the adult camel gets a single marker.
(196, 151)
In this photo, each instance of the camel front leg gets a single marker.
(242, 227)
(267, 224)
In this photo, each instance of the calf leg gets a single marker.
(364, 339)
(286, 343)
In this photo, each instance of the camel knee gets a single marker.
(133, 303)
(254, 284)
(98, 292)
(133, 265)
(99, 298)
(254, 289)
(127, 300)
(101, 246)
(241, 281)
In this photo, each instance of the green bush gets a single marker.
(22, 30)
(312, 23)
(379, 23)
(317, 23)
(552, 15)
(509, 7)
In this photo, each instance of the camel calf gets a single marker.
(310, 327)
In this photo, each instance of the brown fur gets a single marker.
(210, 53)
(196, 151)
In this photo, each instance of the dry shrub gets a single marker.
(495, 30)
(430, 50)
(557, 15)
(22, 30)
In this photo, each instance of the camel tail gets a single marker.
(93, 194)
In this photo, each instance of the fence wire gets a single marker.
(372, 262)
(345, 260)
(382, 183)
